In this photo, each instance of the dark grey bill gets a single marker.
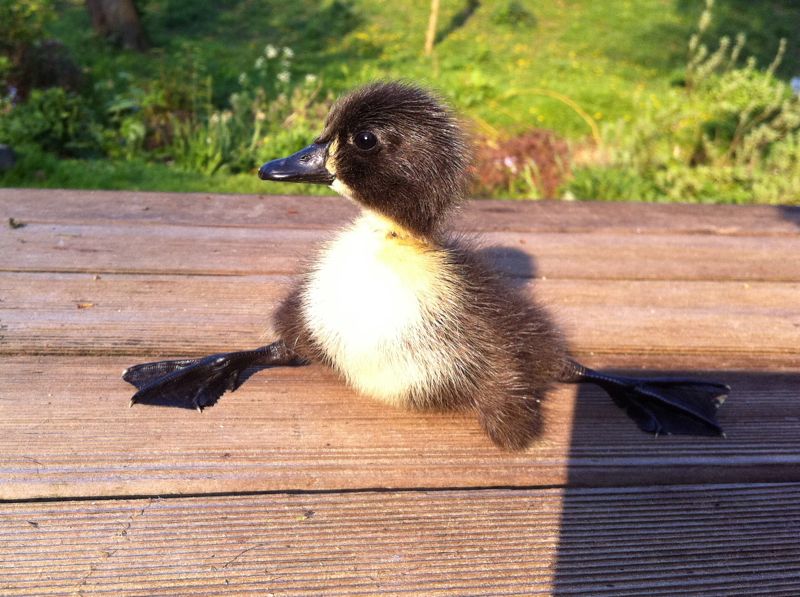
(307, 165)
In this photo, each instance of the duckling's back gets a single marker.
(425, 324)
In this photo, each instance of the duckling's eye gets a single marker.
(365, 140)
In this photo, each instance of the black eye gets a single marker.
(365, 140)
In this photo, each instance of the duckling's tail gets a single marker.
(659, 405)
(197, 383)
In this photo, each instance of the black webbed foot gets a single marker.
(197, 383)
(660, 405)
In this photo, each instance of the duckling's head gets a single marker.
(392, 147)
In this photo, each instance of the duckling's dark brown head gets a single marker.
(392, 147)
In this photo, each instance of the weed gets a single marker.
(729, 134)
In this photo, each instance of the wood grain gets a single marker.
(181, 249)
(662, 541)
(196, 315)
(271, 211)
(96, 281)
(66, 430)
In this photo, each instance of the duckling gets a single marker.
(404, 310)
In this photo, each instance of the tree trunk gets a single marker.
(430, 38)
(118, 20)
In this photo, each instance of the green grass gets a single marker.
(41, 170)
(571, 64)
(596, 53)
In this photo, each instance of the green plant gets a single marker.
(22, 25)
(604, 183)
(727, 134)
(513, 13)
(750, 108)
(5, 69)
(269, 110)
(143, 114)
(53, 120)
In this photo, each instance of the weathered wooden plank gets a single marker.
(662, 541)
(125, 248)
(141, 315)
(666, 286)
(66, 431)
(202, 209)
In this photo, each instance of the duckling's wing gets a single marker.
(197, 383)
(660, 405)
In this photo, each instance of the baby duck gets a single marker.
(407, 312)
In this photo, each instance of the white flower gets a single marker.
(242, 78)
(260, 62)
(284, 76)
(270, 51)
(311, 79)
(287, 52)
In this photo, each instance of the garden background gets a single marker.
(658, 100)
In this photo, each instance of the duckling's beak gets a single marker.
(307, 165)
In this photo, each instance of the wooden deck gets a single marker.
(294, 485)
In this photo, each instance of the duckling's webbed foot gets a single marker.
(197, 383)
(659, 405)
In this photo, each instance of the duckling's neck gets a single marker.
(422, 228)
(389, 229)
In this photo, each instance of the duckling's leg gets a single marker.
(197, 383)
(659, 405)
(511, 421)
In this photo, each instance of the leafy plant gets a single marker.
(54, 120)
(142, 114)
(269, 111)
(727, 134)
(22, 25)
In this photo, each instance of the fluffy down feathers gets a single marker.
(405, 313)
